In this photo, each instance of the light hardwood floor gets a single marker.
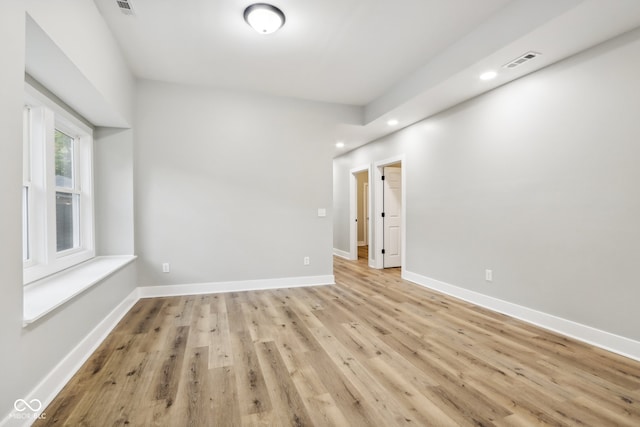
(373, 350)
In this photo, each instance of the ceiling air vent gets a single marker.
(522, 59)
(125, 6)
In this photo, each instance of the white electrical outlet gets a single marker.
(166, 268)
(488, 275)
(307, 260)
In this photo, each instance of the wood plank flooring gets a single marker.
(373, 350)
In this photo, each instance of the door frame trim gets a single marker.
(366, 206)
(378, 230)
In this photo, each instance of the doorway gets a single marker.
(380, 240)
(388, 250)
(362, 214)
(360, 228)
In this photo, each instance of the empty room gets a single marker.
(320, 213)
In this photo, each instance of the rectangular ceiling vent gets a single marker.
(125, 6)
(522, 59)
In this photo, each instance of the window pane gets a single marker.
(64, 160)
(25, 223)
(67, 234)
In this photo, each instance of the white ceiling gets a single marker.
(343, 51)
(406, 59)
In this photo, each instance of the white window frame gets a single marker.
(44, 116)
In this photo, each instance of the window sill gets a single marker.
(46, 295)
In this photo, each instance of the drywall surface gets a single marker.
(113, 182)
(228, 185)
(12, 25)
(537, 181)
(92, 54)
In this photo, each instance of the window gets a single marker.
(67, 193)
(57, 193)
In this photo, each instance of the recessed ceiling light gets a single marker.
(392, 122)
(488, 75)
(264, 18)
(340, 144)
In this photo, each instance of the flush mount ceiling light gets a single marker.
(489, 75)
(264, 18)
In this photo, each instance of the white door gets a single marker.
(392, 207)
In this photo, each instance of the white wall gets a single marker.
(78, 29)
(228, 184)
(12, 24)
(538, 181)
(28, 354)
(113, 181)
(341, 209)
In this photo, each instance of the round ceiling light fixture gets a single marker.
(264, 18)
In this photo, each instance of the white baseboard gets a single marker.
(605, 340)
(234, 286)
(53, 383)
(341, 254)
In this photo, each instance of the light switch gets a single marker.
(322, 212)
